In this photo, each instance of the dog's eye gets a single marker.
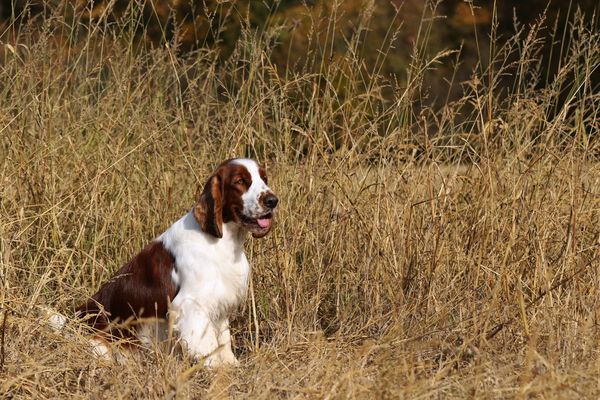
(240, 181)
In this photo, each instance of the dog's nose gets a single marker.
(271, 201)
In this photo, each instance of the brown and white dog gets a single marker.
(195, 273)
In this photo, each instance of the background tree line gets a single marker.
(306, 36)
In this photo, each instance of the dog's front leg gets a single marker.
(197, 332)
(224, 352)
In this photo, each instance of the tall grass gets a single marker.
(420, 251)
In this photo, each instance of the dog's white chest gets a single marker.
(211, 274)
(216, 288)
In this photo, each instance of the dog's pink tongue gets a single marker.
(264, 222)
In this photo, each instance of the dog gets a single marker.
(193, 275)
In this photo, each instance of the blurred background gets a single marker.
(303, 31)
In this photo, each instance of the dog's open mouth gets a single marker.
(258, 225)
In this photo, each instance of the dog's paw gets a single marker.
(54, 320)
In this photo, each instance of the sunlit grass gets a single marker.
(418, 251)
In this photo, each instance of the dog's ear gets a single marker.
(208, 211)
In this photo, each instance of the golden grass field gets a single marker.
(418, 252)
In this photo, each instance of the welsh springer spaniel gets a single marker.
(194, 274)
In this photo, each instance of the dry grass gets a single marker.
(418, 253)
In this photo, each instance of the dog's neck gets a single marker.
(234, 236)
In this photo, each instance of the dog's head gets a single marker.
(237, 191)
